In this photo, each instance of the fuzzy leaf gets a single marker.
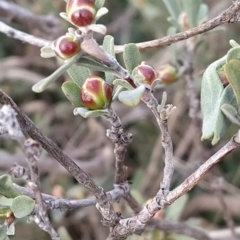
(93, 65)
(213, 96)
(6, 187)
(131, 56)
(78, 74)
(3, 232)
(47, 52)
(231, 113)
(22, 206)
(132, 97)
(233, 53)
(202, 13)
(99, 3)
(173, 8)
(89, 113)
(11, 230)
(123, 83)
(192, 9)
(232, 71)
(108, 46)
(5, 212)
(72, 92)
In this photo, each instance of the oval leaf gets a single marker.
(213, 96)
(123, 83)
(3, 232)
(131, 56)
(132, 97)
(72, 92)
(231, 113)
(232, 70)
(5, 212)
(22, 206)
(6, 187)
(99, 3)
(47, 52)
(78, 74)
(233, 53)
(108, 46)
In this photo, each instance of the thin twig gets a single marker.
(103, 204)
(121, 142)
(67, 204)
(128, 226)
(229, 16)
(17, 14)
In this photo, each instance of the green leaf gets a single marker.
(131, 56)
(93, 65)
(108, 46)
(233, 53)
(99, 3)
(22, 206)
(192, 10)
(3, 232)
(173, 8)
(132, 97)
(123, 83)
(6, 187)
(231, 113)
(174, 211)
(72, 92)
(232, 71)
(213, 96)
(78, 74)
(63, 233)
(5, 212)
(89, 113)
(47, 52)
(202, 13)
(44, 83)
(11, 230)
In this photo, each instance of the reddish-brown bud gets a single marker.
(95, 93)
(64, 47)
(147, 72)
(167, 74)
(81, 13)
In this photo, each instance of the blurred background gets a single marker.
(84, 140)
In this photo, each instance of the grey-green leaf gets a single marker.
(72, 92)
(132, 97)
(232, 71)
(231, 113)
(99, 3)
(22, 206)
(192, 9)
(89, 113)
(202, 13)
(5, 212)
(6, 187)
(213, 96)
(233, 53)
(78, 74)
(3, 232)
(123, 83)
(173, 8)
(108, 46)
(131, 56)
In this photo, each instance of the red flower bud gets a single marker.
(64, 47)
(147, 72)
(167, 74)
(95, 93)
(81, 13)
